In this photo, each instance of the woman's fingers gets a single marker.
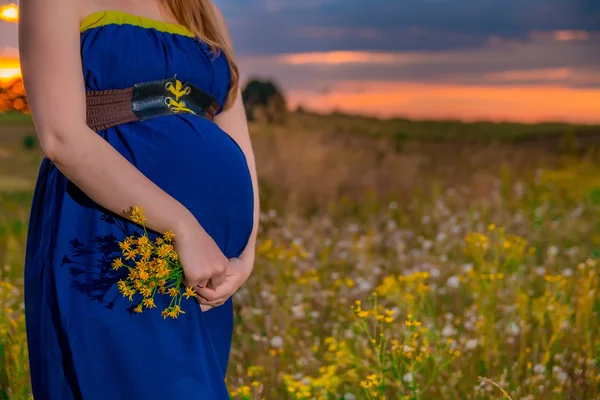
(197, 279)
(202, 284)
(211, 303)
(207, 278)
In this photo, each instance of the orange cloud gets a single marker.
(551, 74)
(569, 36)
(435, 101)
(353, 57)
(336, 57)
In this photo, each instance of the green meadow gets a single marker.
(396, 260)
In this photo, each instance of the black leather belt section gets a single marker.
(142, 101)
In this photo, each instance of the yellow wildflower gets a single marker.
(178, 310)
(137, 215)
(117, 263)
(168, 235)
(132, 274)
(143, 240)
(160, 263)
(149, 303)
(164, 250)
(122, 286)
(146, 254)
(189, 292)
(130, 254)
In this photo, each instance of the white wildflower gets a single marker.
(453, 282)
(364, 284)
(514, 329)
(391, 225)
(298, 311)
(560, 374)
(539, 369)
(448, 331)
(353, 228)
(277, 342)
(467, 267)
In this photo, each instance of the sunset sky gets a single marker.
(469, 59)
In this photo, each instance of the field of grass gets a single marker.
(404, 129)
(450, 130)
(433, 271)
(14, 117)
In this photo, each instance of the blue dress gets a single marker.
(84, 341)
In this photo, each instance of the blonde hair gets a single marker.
(200, 18)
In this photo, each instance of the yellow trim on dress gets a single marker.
(115, 17)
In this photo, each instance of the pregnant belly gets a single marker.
(201, 166)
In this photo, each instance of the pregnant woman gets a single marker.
(136, 103)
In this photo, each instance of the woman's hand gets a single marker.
(236, 274)
(201, 258)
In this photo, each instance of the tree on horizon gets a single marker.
(264, 102)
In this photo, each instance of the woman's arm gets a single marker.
(51, 63)
(234, 122)
(49, 43)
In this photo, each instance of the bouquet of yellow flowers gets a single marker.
(154, 268)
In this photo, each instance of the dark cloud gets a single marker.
(538, 60)
(274, 26)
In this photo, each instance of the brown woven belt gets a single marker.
(108, 108)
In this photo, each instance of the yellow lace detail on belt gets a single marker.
(178, 90)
